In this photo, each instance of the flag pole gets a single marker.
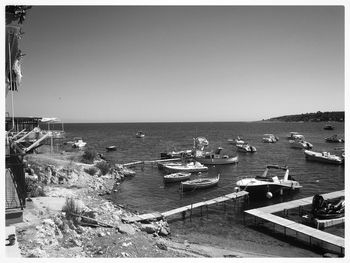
(12, 105)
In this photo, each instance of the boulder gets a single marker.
(126, 229)
(149, 228)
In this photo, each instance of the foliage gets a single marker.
(16, 12)
(89, 156)
(33, 188)
(91, 170)
(72, 206)
(104, 167)
(314, 117)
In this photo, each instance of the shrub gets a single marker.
(104, 167)
(72, 206)
(33, 188)
(91, 170)
(88, 156)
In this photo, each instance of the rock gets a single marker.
(149, 228)
(126, 229)
(101, 234)
(163, 232)
(37, 253)
(161, 245)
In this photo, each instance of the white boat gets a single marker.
(270, 138)
(176, 154)
(323, 157)
(245, 147)
(199, 183)
(191, 167)
(140, 134)
(111, 148)
(176, 177)
(214, 158)
(292, 135)
(268, 184)
(300, 143)
(334, 138)
(78, 143)
(236, 141)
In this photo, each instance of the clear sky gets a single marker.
(180, 63)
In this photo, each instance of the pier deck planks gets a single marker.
(156, 215)
(266, 214)
(205, 203)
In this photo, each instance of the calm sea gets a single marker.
(146, 191)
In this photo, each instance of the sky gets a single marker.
(180, 63)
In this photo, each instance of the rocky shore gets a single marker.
(68, 214)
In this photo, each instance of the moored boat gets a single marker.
(78, 143)
(111, 148)
(328, 127)
(199, 183)
(215, 158)
(334, 138)
(327, 209)
(246, 148)
(176, 177)
(270, 138)
(292, 135)
(191, 167)
(176, 154)
(323, 157)
(268, 184)
(300, 143)
(140, 134)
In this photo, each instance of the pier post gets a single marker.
(201, 211)
(191, 214)
(207, 211)
(183, 215)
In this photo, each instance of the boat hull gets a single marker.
(262, 190)
(199, 184)
(217, 161)
(317, 157)
(181, 168)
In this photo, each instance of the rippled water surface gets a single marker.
(146, 191)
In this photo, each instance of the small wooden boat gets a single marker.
(199, 183)
(192, 167)
(323, 157)
(215, 158)
(176, 177)
(111, 148)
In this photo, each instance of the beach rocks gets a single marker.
(126, 229)
(160, 228)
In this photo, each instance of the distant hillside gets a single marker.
(316, 117)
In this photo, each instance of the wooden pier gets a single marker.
(151, 162)
(265, 213)
(184, 209)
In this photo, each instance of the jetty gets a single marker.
(150, 162)
(314, 236)
(188, 208)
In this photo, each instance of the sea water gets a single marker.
(146, 192)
